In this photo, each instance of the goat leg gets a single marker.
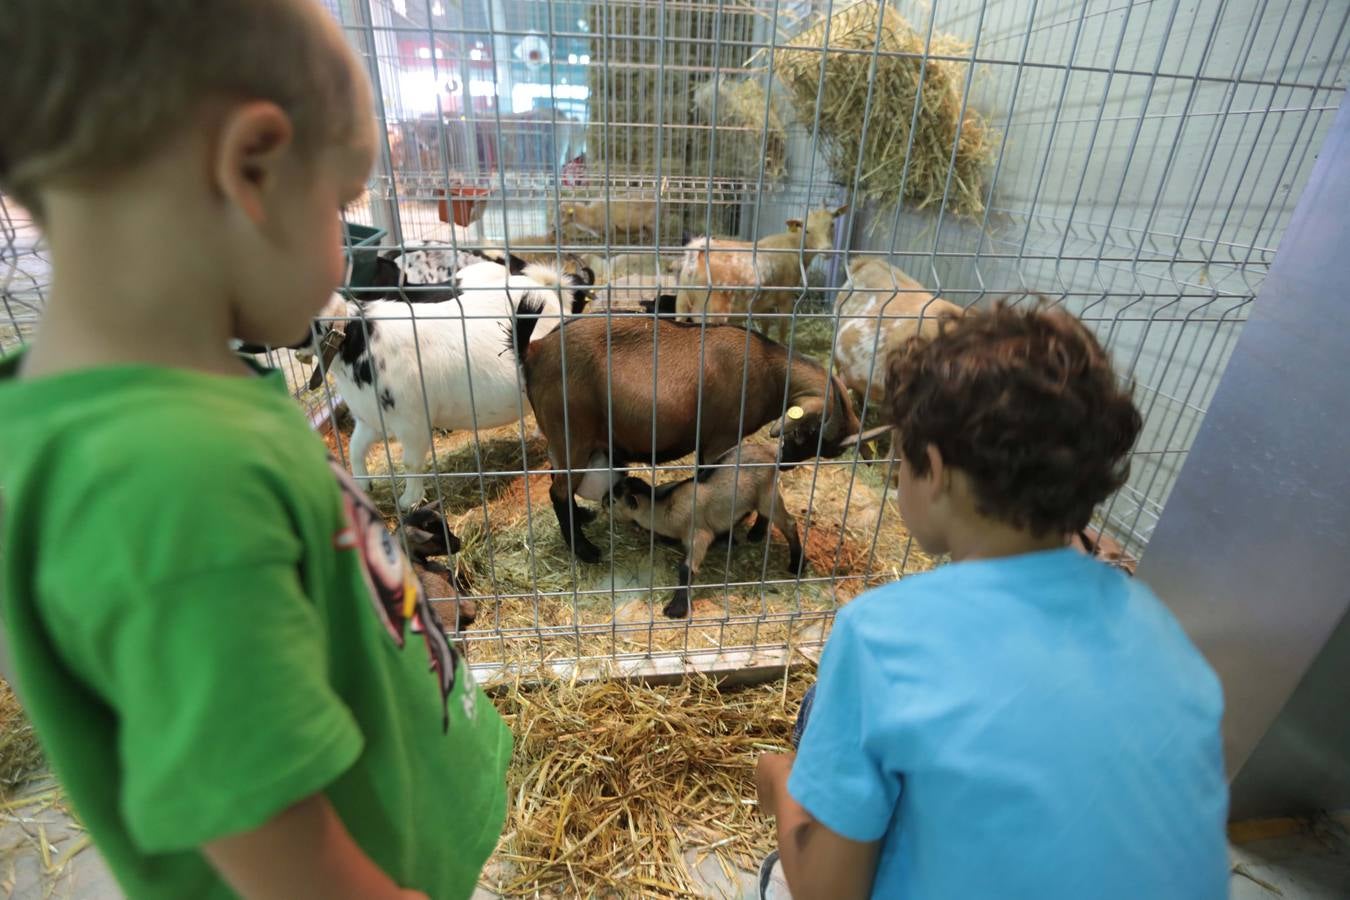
(416, 446)
(570, 521)
(784, 522)
(759, 530)
(363, 438)
(678, 607)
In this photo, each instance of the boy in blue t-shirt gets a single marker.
(1026, 721)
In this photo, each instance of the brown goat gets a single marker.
(610, 361)
(697, 513)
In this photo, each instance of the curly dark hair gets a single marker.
(1026, 404)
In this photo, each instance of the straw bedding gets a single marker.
(618, 789)
(20, 754)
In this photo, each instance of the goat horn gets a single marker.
(871, 434)
(328, 349)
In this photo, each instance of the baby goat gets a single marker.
(697, 513)
(721, 277)
(427, 536)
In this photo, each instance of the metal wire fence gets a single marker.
(1140, 161)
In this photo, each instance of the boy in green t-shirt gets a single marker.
(230, 665)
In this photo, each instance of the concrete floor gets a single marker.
(1313, 864)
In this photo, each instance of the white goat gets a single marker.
(723, 277)
(883, 308)
(406, 368)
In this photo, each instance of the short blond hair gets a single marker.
(92, 86)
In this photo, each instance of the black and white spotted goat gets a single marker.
(405, 368)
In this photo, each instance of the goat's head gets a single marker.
(631, 499)
(819, 226)
(819, 421)
(428, 534)
(581, 276)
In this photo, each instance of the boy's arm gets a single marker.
(303, 852)
(816, 861)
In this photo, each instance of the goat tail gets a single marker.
(522, 326)
(547, 275)
(554, 276)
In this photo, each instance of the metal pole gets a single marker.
(1250, 551)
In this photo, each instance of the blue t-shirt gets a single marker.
(1031, 726)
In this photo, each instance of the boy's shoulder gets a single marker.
(911, 597)
(162, 426)
(156, 451)
(970, 597)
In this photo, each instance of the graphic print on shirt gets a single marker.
(392, 584)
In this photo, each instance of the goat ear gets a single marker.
(420, 542)
(776, 429)
(794, 225)
(836, 213)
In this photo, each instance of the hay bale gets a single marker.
(883, 137)
(748, 126)
(616, 788)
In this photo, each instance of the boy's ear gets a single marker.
(251, 147)
(937, 470)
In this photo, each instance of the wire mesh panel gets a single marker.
(1135, 161)
(25, 275)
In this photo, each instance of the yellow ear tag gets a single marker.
(795, 412)
(411, 588)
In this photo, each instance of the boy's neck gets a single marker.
(985, 539)
(133, 282)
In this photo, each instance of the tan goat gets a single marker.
(882, 309)
(726, 278)
(697, 512)
(628, 217)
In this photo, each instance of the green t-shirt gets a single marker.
(209, 622)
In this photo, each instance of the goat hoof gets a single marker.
(677, 608)
(586, 551)
(797, 566)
